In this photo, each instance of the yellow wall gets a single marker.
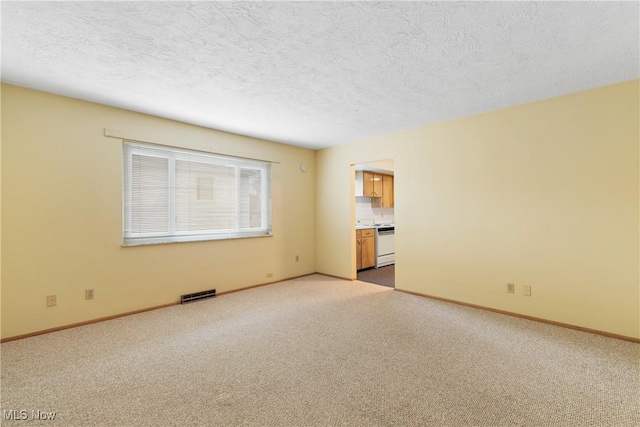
(0, 206)
(544, 194)
(62, 216)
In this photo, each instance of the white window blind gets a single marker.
(176, 195)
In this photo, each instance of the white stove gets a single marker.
(385, 245)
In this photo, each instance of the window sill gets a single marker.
(153, 241)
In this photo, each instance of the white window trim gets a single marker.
(172, 236)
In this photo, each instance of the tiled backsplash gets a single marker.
(368, 214)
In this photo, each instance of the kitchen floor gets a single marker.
(384, 276)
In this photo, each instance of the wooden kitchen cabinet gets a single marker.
(368, 251)
(387, 191)
(358, 251)
(377, 185)
(365, 248)
(372, 184)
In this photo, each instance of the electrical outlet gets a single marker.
(511, 288)
(526, 290)
(269, 275)
(52, 301)
(88, 294)
(297, 258)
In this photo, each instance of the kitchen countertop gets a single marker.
(365, 226)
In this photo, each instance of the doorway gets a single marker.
(374, 212)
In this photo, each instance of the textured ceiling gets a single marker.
(317, 74)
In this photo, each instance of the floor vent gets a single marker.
(197, 296)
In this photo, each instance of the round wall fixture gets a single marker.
(304, 167)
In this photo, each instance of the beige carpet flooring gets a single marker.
(318, 351)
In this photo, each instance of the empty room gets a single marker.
(199, 203)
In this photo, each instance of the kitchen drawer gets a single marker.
(368, 232)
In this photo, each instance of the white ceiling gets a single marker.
(317, 74)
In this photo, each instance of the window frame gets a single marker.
(174, 154)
